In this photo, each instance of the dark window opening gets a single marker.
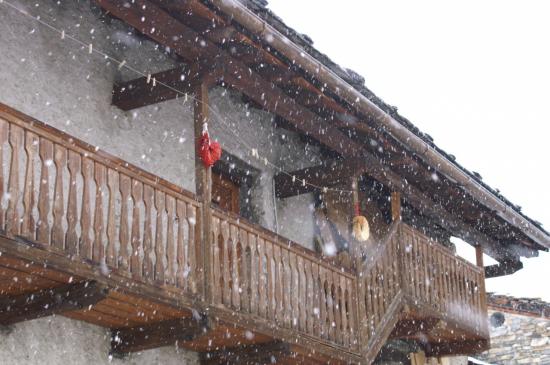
(232, 184)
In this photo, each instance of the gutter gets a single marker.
(244, 16)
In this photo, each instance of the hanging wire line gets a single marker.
(223, 123)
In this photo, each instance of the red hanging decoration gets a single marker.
(209, 151)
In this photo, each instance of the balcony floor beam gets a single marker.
(46, 302)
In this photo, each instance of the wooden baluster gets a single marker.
(159, 237)
(295, 290)
(4, 128)
(448, 286)
(193, 248)
(426, 271)
(262, 303)
(420, 283)
(337, 294)
(440, 296)
(279, 300)
(303, 294)
(216, 262)
(316, 312)
(99, 226)
(58, 235)
(112, 183)
(287, 285)
(125, 187)
(344, 300)
(270, 297)
(170, 247)
(12, 214)
(254, 272)
(28, 225)
(136, 266)
(386, 274)
(353, 318)
(323, 303)
(235, 259)
(86, 215)
(331, 305)
(148, 264)
(310, 291)
(227, 278)
(46, 155)
(370, 311)
(243, 270)
(72, 205)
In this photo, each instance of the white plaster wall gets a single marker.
(60, 340)
(58, 82)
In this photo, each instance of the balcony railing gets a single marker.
(262, 274)
(66, 196)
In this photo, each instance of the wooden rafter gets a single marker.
(372, 166)
(148, 90)
(46, 302)
(144, 15)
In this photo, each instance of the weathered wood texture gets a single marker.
(261, 274)
(46, 302)
(96, 207)
(164, 333)
(446, 283)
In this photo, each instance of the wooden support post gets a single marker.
(479, 256)
(203, 184)
(165, 333)
(46, 302)
(354, 249)
(395, 205)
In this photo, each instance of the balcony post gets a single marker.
(395, 205)
(203, 185)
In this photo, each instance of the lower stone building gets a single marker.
(520, 331)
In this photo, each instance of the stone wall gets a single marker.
(58, 82)
(521, 339)
(59, 340)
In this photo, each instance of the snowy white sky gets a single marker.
(475, 75)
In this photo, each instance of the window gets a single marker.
(225, 193)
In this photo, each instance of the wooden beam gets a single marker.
(479, 256)
(505, 267)
(144, 91)
(395, 205)
(329, 173)
(467, 347)
(410, 327)
(165, 333)
(265, 353)
(160, 26)
(335, 171)
(203, 181)
(71, 297)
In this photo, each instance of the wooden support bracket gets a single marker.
(46, 302)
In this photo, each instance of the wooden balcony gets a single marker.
(74, 214)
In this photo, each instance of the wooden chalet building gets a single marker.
(109, 217)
